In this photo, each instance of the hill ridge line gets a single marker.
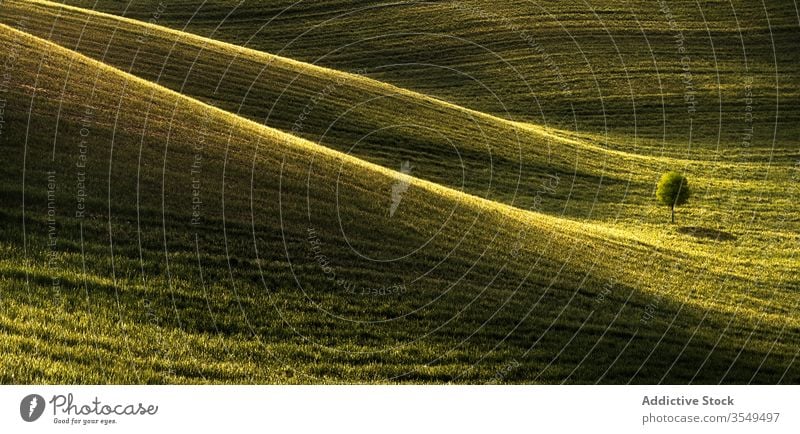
(522, 215)
(546, 132)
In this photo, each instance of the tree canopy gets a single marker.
(673, 190)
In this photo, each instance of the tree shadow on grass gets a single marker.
(707, 233)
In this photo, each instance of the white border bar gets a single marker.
(406, 409)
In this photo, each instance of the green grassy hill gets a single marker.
(601, 67)
(479, 153)
(148, 236)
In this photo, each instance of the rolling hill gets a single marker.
(626, 71)
(165, 222)
(479, 153)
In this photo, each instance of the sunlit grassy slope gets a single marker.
(479, 153)
(523, 164)
(600, 65)
(294, 268)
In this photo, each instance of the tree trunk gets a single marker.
(672, 211)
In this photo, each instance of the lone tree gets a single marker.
(673, 190)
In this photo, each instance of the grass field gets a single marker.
(330, 193)
(610, 68)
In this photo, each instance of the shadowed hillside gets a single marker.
(674, 74)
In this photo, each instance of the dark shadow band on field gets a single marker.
(580, 336)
